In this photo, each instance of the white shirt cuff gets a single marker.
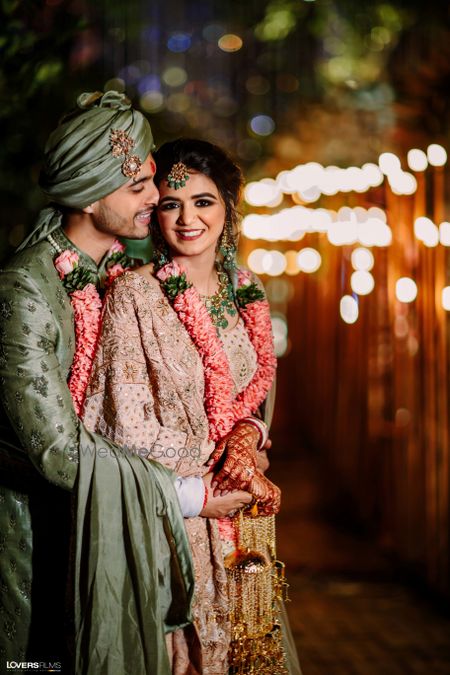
(191, 493)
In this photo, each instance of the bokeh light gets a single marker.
(437, 155)
(149, 83)
(389, 163)
(261, 193)
(446, 298)
(362, 282)
(402, 183)
(179, 42)
(349, 310)
(309, 260)
(152, 101)
(262, 125)
(230, 43)
(417, 160)
(115, 84)
(274, 263)
(426, 231)
(175, 76)
(255, 260)
(362, 259)
(406, 289)
(444, 233)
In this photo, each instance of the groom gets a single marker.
(121, 542)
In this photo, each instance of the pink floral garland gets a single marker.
(87, 309)
(222, 409)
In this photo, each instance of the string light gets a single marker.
(389, 163)
(426, 231)
(444, 233)
(309, 260)
(417, 160)
(274, 263)
(362, 259)
(349, 309)
(406, 290)
(402, 183)
(446, 298)
(373, 174)
(255, 260)
(432, 239)
(437, 155)
(367, 227)
(362, 282)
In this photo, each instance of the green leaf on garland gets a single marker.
(248, 294)
(175, 285)
(77, 279)
(119, 258)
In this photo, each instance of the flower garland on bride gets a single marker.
(223, 409)
(256, 632)
(87, 304)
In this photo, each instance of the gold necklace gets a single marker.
(221, 302)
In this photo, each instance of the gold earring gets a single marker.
(227, 247)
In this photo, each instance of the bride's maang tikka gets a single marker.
(178, 176)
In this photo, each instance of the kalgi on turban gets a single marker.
(95, 149)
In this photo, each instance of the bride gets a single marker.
(184, 374)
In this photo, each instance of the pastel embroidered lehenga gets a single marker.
(147, 393)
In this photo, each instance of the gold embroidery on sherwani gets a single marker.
(146, 392)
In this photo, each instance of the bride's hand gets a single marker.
(239, 463)
(222, 505)
(262, 461)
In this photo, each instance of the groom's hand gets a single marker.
(223, 505)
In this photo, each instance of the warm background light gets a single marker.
(349, 309)
(362, 282)
(444, 233)
(255, 260)
(417, 160)
(402, 183)
(437, 155)
(309, 260)
(292, 262)
(274, 263)
(389, 163)
(406, 289)
(446, 298)
(230, 42)
(426, 231)
(362, 259)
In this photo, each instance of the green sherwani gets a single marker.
(122, 540)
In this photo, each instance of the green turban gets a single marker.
(92, 153)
